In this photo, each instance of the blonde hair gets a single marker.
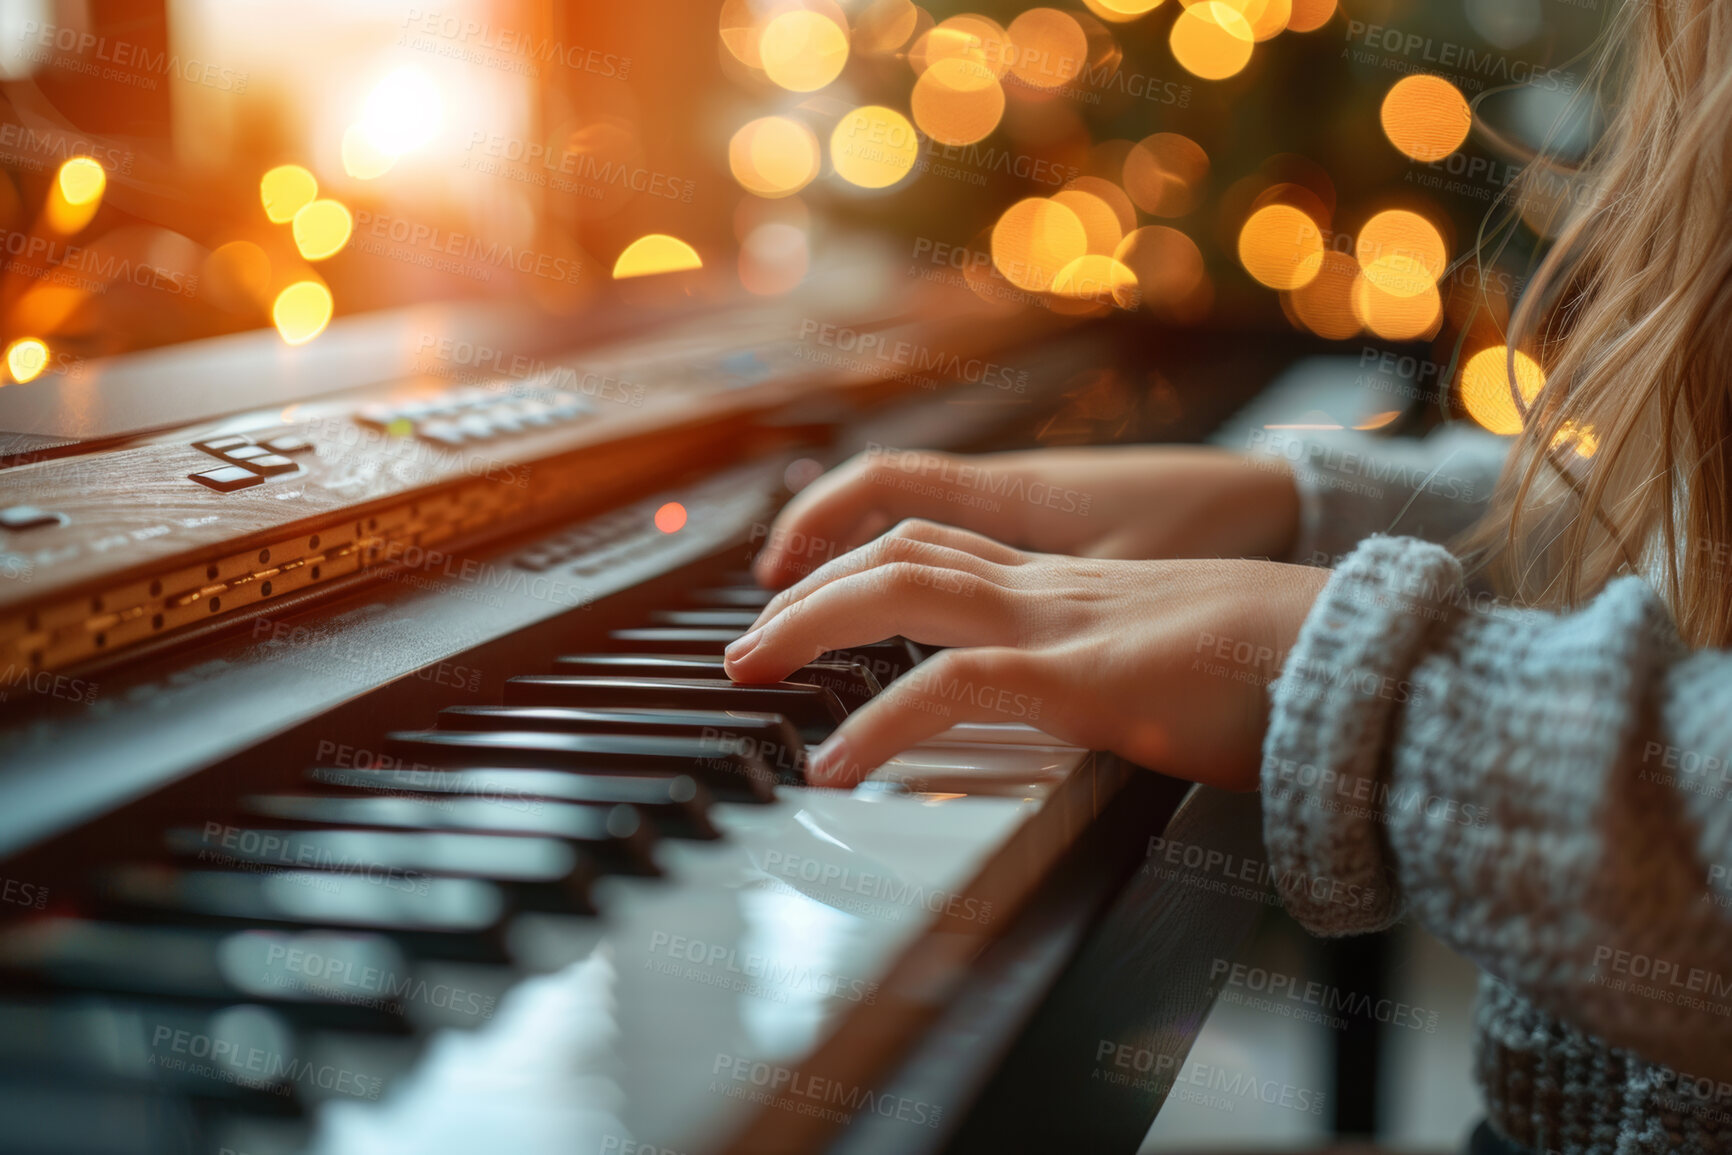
(1631, 311)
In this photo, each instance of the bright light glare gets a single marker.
(76, 194)
(656, 253)
(1485, 388)
(403, 113)
(285, 191)
(302, 311)
(322, 229)
(26, 358)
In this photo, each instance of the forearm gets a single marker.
(1519, 778)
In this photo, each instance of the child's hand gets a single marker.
(1117, 502)
(1164, 662)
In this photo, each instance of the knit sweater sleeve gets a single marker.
(1547, 793)
(1354, 484)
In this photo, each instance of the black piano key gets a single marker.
(46, 1116)
(743, 597)
(336, 979)
(541, 873)
(725, 619)
(615, 837)
(852, 682)
(814, 710)
(769, 735)
(677, 805)
(731, 773)
(246, 1056)
(673, 639)
(457, 918)
(887, 660)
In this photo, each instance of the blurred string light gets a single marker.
(774, 156)
(237, 276)
(1485, 388)
(1100, 223)
(1112, 195)
(1212, 40)
(1165, 174)
(285, 190)
(1033, 240)
(774, 258)
(1325, 303)
(1122, 11)
(322, 228)
(1396, 318)
(1097, 278)
(1426, 117)
(653, 254)
(362, 158)
(75, 195)
(1580, 438)
(1401, 253)
(1266, 18)
(873, 147)
(965, 37)
(1048, 48)
(301, 311)
(885, 26)
(26, 358)
(402, 113)
(957, 101)
(802, 50)
(1310, 15)
(1281, 247)
(1167, 264)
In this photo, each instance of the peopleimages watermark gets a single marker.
(341, 977)
(1358, 796)
(1240, 877)
(442, 250)
(1471, 67)
(869, 893)
(1662, 980)
(567, 170)
(1323, 997)
(1205, 1084)
(121, 60)
(962, 475)
(471, 362)
(244, 1065)
(284, 638)
(90, 270)
(471, 40)
(1337, 466)
(35, 149)
(887, 355)
(17, 892)
(749, 973)
(65, 687)
(1663, 764)
(944, 263)
(774, 1085)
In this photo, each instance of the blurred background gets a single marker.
(1348, 174)
(1348, 180)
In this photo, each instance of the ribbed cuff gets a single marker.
(1323, 779)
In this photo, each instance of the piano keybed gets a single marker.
(601, 913)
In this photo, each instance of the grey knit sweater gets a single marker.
(1547, 793)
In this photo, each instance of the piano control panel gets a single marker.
(131, 544)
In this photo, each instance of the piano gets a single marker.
(369, 782)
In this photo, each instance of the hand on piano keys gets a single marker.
(1165, 663)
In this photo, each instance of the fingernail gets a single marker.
(828, 761)
(742, 646)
